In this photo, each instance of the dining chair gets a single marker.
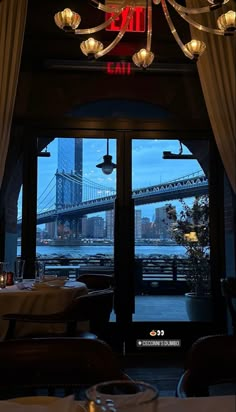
(228, 287)
(95, 307)
(210, 367)
(49, 365)
(95, 281)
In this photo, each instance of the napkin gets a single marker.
(66, 404)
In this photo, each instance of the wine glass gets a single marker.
(19, 267)
(39, 270)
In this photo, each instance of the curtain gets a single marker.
(12, 25)
(216, 68)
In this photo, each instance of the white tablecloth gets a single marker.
(38, 301)
(211, 404)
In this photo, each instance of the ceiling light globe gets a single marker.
(196, 47)
(67, 19)
(156, 2)
(107, 169)
(91, 46)
(227, 21)
(143, 58)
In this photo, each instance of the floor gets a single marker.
(159, 308)
(162, 372)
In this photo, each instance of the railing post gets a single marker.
(174, 269)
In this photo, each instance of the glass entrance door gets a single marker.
(75, 206)
(159, 180)
(122, 221)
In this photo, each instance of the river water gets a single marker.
(79, 251)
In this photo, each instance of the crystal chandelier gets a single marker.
(69, 20)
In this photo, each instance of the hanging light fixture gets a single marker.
(107, 165)
(180, 155)
(70, 20)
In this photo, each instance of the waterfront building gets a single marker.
(93, 227)
(50, 229)
(138, 224)
(110, 224)
(84, 224)
(146, 228)
(162, 223)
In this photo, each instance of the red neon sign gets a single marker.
(119, 68)
(136, 24)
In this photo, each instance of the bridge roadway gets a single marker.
(196, 186)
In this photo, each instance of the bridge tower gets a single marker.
(70, 157)
(68, 193)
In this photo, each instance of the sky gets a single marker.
(148, 167)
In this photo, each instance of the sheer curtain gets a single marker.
(217, 72)
(12, 25)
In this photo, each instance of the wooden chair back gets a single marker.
(97, 281)
(228, 286)
(52, 363)
(211, 361)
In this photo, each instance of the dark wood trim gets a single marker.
(83, 127)
(29, 206)
(124, 237)
(217, 234)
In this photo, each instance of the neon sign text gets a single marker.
(136, 24)
(121, 68)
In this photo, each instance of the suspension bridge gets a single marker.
(70, 196)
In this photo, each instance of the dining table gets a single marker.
(26, 298)
(225, 403)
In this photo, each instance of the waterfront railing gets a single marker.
(153, 275)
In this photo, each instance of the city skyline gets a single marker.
(97, 227)
(148, 166)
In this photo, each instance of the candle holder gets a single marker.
(3, 275)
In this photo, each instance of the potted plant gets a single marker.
(190, 228)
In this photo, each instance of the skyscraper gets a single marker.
(110, 214)
(162, 222)
(138, 224)
(70, 162)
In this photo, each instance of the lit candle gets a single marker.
(2, 280)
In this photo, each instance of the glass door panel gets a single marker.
(75, 206)
(163, 172)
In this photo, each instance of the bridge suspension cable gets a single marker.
(48, 206)
(47, 187)
(91, 190)
(41, 204)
